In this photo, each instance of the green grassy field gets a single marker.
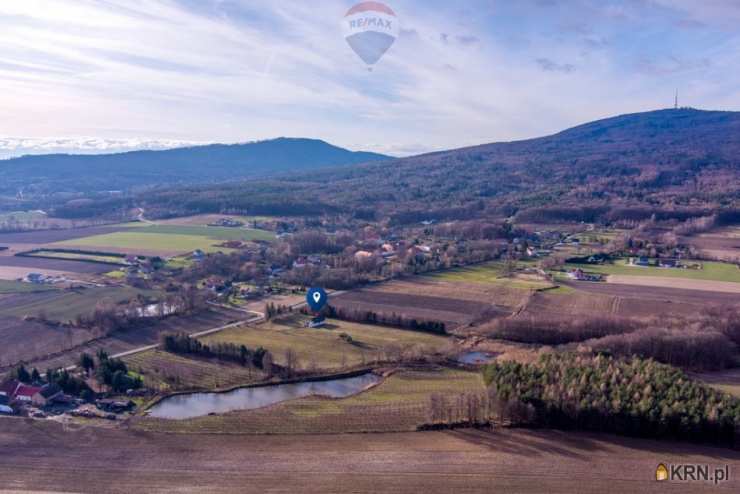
(323, 348)
(711, 271)
(65, 305)
(400, 403)
(168, 238)
(19, 287)
(213, 232)
(488, 273)
(78, 257)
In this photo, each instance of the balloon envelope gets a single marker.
(370, 29)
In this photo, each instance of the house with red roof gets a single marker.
(17, 392)
(25, 393)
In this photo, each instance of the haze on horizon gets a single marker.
(110, 75)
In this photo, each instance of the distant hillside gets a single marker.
(218, 162)
(642, 163)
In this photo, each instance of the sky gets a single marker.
(111, 75)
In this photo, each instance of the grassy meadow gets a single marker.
(489, 273)
(324, 348)
(711, 271)
(168, 238)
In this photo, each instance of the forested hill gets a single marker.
(211, 163)
(681, 161)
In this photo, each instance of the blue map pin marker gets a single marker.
(316, 298)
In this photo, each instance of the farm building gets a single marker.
(316, 322)
(115, 406)
(47, 395)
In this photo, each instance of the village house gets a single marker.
(232, 244)
(36, 278)
(363, 254)
(580, 275)
(227, 222)
(24, 394)
(5, 404)
(215, 284)
(643, 261)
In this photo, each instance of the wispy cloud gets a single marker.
(237, 70)
(549, 66)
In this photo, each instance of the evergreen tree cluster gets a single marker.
(114, 373)
(633, 397)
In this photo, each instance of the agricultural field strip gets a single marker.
(40, 264)
(691, 284)
(51, 236)
(446, 304)
(426, 462)
(664, 294)
(711, 271)
(11, 273)
(168, 238)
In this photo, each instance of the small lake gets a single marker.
(476, 358)
(192, 405)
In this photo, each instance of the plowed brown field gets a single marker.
(45, 456)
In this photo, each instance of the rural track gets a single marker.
(206, 332)
(258, 317)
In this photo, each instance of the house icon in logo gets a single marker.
(661, 473)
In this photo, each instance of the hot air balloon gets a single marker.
(370, 29)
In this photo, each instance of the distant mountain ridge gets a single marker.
(646, 162)
(185, 165)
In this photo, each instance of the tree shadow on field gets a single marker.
(582, 445)
(530, 443)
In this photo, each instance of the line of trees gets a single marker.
(632, 397)
(181, 343)
(273, 310)
(558, 331)
(394, 320)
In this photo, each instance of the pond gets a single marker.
(476, 358)
(187, 406)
